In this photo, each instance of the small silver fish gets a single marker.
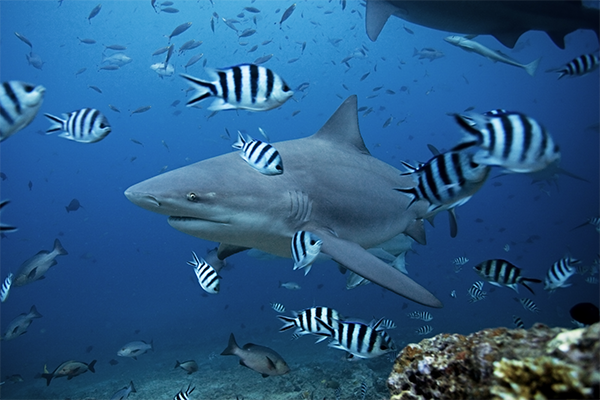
(19, 325)
(135, 348)
(188, 366)
(123, 393)
(290, 285)
(35, 267)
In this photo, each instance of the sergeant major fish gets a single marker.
(358, 339)
(70, 369)
(306, 323)
(19, 325)
(87, 125)
(35, 267)
(6, 288)
(19, 102)
(503, 273)
(206, 274)
(422, 315)
(306, 246)
(135, 348)
(509, 139)
(559, 273)
(447, 181)
(247, 86)
(259, 155)
(581, 65)
(261, 359)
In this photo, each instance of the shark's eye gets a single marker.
(191, 196)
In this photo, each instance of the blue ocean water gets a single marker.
(126, 278)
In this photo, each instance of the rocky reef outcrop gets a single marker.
(537, 363)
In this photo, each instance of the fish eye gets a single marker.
(191, 196)
(286, 88)
(28, 88)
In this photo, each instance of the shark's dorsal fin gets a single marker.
(342, 127)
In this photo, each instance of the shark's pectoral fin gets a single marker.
(378, 13)
(360, 261)
(225, 250)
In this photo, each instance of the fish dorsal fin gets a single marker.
(342, 127)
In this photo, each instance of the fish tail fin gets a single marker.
(177, 364)
(241, 141)
(48, 378)
(57, 124)
(59, 248)
(152, 344)
(132, 387)
(232, 346)
(533, 280)
(469, 125)
(289, 323)
(413, 191)
(204, 89)
(532, 66)
(34, 313)
(91, 366)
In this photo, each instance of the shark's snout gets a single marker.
(142, 199)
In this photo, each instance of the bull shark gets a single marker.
(505, 20)
(331, 187)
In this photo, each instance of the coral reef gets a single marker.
(538, 363)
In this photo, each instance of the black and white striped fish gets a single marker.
(305, 249)
(446, 181)
(387, 323)
(6, 288)
(306, 323)
(259, 155)
(559, 273)
(359, 339)
(424, 330)
(278, 307)
(502, 273)
(511, 140)
(184, 395)
(594, 221)
(460, 261)
(87, 125)
(206, 274)
(528, 304)
(19, 103)
(581, 65)
(422, 315)
(363, 390)
(518, 322)
(247, 86)
(476, 292)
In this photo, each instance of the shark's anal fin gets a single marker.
(360, 261)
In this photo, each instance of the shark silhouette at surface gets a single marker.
(505, 20)
(331, 186)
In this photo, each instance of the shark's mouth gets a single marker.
(177, 220)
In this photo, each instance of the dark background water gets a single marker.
(126, 269)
